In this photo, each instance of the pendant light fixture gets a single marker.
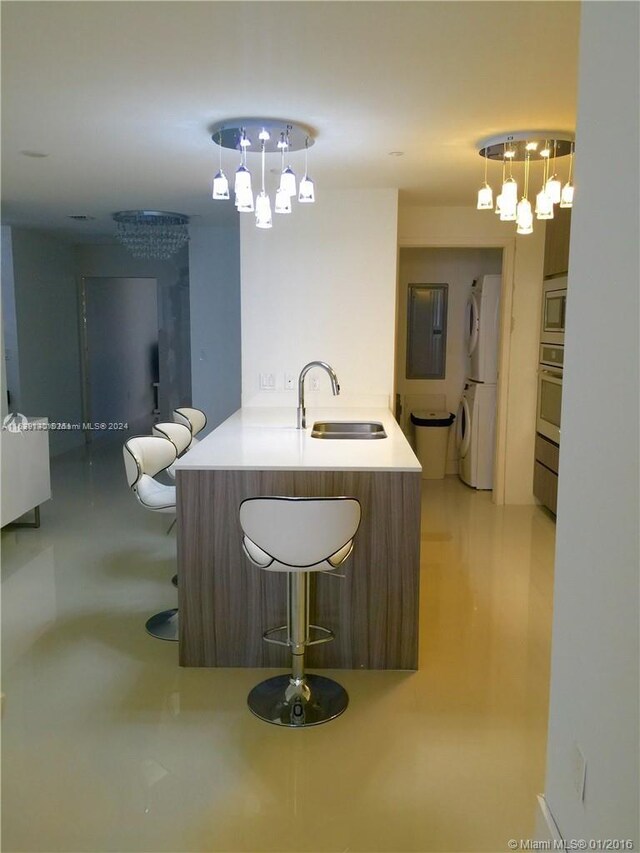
(509, 191)
(275, 136)
(544, 203)
(220, 182)
(566, 197)
(283, 194)
(485, 193)
(553, 186)
(529, 147)
(499, 197)
(306, 194)
(263, 205)
(524, 216)
(287, 176)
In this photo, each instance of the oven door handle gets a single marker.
(553, 373)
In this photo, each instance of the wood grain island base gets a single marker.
(226, 603)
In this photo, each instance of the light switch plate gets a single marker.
(267, 382)
(290, 380)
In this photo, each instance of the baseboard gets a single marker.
(546, 828)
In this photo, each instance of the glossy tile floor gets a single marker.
(109, 746)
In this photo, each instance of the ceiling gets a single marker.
(120, 96)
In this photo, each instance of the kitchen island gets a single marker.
(226, 603)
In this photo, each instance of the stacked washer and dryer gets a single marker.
(477, 411)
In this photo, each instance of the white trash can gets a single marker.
(432, 438)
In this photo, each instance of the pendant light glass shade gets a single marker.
(507, 210)
(220, 186)
(288, 182)
(244, 201)
(485, 193)
(544, 206)
(508, 200)
(510, 192)
(263, 211)
(283, 201)
(306, 194)
(485, 198)
(566, 197)
(524, 217)
(243, 180)
(553, 189)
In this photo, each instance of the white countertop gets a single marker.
(264, 438)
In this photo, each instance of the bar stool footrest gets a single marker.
(327, 638)
(269, 639)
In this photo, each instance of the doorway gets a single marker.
(119, 319)
(454, 268)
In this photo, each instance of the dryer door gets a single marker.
(473, 324)
(463, 431)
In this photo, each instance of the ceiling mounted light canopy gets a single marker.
(531, 147)
(152, 233)
(263, 136)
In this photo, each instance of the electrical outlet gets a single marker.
(314, 383)
(578, 770)
(290, 380)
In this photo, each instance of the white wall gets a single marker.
(115, 261)
(457, 268)
(214, 272)
(46, 302)
(456, 226)
(321, 284)
(594, 683)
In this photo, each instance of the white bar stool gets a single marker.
(194, 419)
(144, 457)
(298, 536)
(179, 435)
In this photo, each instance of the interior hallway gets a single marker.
(109, 746)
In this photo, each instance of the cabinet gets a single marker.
(25, 469)
(545, 473)
(556, 245)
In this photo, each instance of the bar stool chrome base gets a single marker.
(309, 701)
(164, 626)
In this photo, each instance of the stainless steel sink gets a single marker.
(348, 429)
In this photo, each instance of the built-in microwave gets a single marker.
(554, 307)
(549, 403)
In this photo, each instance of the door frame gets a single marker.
(508, 247)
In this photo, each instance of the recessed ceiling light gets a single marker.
(81, 217)
(396, 153)
(36, 154)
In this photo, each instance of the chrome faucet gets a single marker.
(302, 413)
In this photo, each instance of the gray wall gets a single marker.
(113, 260)
(594, 683)
(9, 353)
(214, 265)
(46, 305)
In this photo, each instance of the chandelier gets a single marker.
(530, 147)
(151, 233)
(267, 136)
